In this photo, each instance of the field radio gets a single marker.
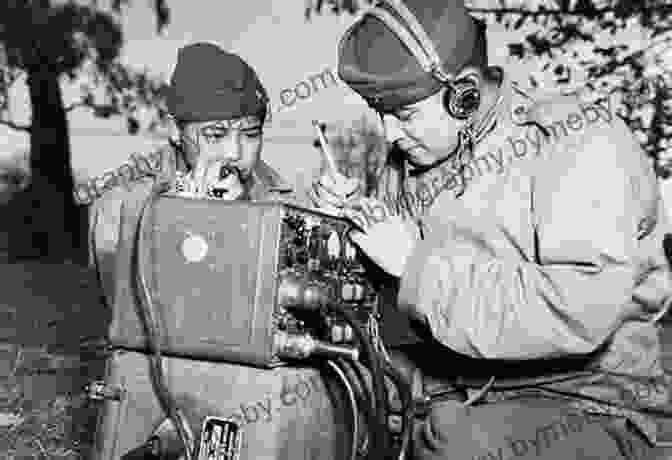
(240, 282)
(214, 301)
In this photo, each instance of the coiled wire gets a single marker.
(407, 405)
(353, 405)
(379, 437)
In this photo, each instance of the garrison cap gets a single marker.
(376, 63)
(210, 84)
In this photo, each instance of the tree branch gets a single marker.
(524, 12)
(556, 12)
(16, 126)
(72, 107)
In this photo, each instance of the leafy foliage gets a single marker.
(334, 6)
(83, 42)
(53, 43)
(584, 42)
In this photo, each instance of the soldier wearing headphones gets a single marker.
(524, 235)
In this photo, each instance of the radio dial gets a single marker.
(352, 292)
(194, 248)
(295, 291)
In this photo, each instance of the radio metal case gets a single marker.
(212, 268)
(286, 413)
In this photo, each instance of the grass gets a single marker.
(59, 426)
(42, 432)
(43, 414)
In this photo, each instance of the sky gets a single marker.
(274, 38)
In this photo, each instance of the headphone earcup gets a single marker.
(462, 98)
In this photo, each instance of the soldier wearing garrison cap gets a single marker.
(524, 235)
(219, 107)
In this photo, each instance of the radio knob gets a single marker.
(347, 292)
(337, 333)
(352, 292)
(290, 291)
(348, 334)
(314, 297)
(358, 292)
(297, 292)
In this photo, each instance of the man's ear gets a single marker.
(462, 96)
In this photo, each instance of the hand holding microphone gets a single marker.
(212, 179)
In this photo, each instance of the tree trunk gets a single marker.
(56, 222)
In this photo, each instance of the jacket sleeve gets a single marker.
(589, 199)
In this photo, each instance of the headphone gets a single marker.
(463, 96)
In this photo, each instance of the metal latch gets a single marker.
(98, 390)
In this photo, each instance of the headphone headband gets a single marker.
(412, 35)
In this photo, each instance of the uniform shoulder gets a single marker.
(589, 136)
(549, 106)
(566, 115)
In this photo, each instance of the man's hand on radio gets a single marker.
(386, 238)
(334, 194)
